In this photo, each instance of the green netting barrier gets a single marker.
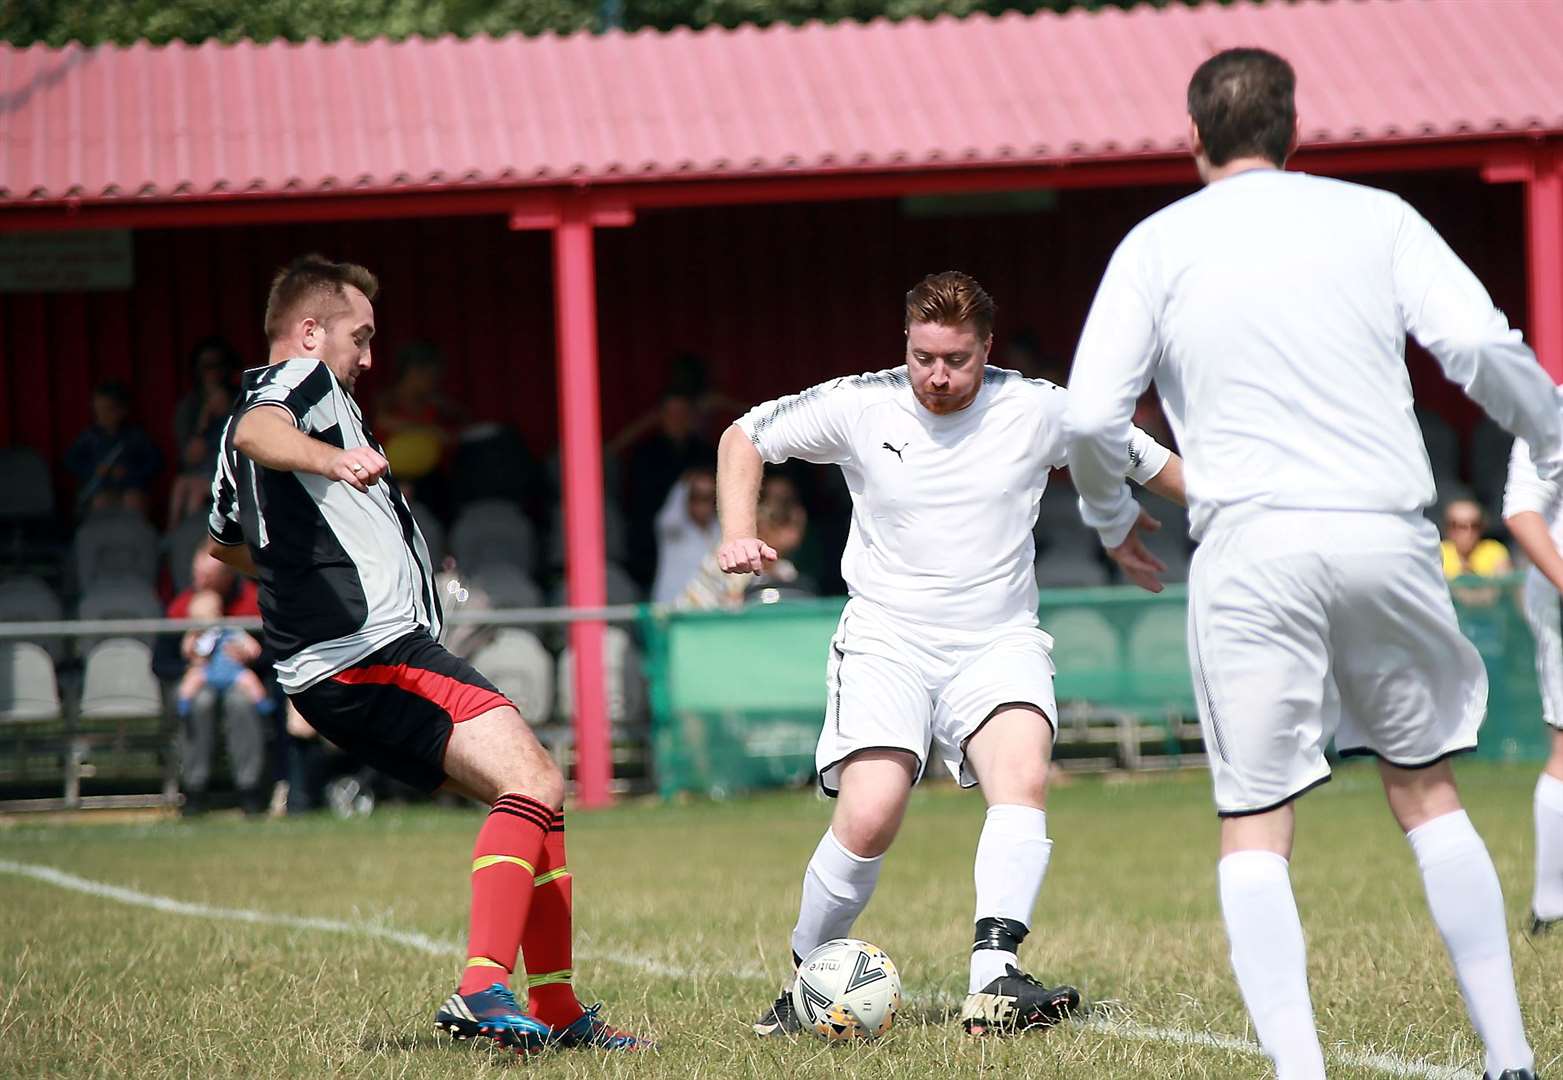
(738, 698)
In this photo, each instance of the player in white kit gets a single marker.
(1271, 308)
(938, 651)
(1533, 511)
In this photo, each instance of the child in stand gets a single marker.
(214, 658)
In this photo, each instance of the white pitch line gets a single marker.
(1389, 1064)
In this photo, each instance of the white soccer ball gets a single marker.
(847, 989)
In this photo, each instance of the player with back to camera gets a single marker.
(938, 650)
(1272, 309)
(305, 502)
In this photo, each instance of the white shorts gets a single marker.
(923, 689)
(1543, 613)
(1305, 625)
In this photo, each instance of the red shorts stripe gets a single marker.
(460, 700)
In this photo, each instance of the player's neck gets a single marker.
(1239, 165)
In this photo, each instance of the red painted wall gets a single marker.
(776, 297)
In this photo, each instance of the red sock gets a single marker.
(545, 944)
(504, 859)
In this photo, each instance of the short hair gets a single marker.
(950, 299)
(1243, 103)
(307, 286)
(114, 391)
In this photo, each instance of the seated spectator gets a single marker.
(218, 657)
(781, 523)
(245, 724)
(414, 420)
(655, 465)
(198, 425)
(113, 460)
(687, 530)
(1465, 552)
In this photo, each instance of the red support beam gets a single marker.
(533, 205)
(1544, 257)
(575, 304)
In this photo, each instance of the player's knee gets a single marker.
(547, 783)
(867, 832)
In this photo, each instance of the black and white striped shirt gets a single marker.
(341, 572)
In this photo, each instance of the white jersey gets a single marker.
(1525, 489)
(942, 506)
(1272, 310)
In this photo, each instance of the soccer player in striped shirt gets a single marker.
(1272, 310)
(304, 501)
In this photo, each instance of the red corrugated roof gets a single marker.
(143, 121)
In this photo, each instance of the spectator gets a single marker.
(113, 460)
(687, 530)
(655, 465)
(219, 658)
(418, 423)
(198, 425)
(1465, 552)
(244, 725)
(782, 524)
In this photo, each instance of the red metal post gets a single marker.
(1544, 256)
(575, 306)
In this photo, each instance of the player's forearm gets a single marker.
(1530, 531)
(739, 470)
(268, 437)
(1169, 482)
(1098, 463)
(236, 557)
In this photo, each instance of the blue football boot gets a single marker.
(492, 1014)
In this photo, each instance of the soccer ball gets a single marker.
(847, 989)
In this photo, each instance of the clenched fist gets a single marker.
(359, 466)
(747, 556)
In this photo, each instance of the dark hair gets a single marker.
(114, 390)
(312, 286)
(950, 299)
(419, 354)
(218, 344)
(1243, 103)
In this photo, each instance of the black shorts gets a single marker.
(395, 708)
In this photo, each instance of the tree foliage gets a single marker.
(56, 22)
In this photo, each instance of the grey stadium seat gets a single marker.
(29, 599)
(180, 546)
(1071, 560)
(120, 598)
(29, 693)
(516, 662)
(493, 531)
(119, 684)
(118, 546)
(626, 682)
(1083, 640)
(27, 492)
(507, 587)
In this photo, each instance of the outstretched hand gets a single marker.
(746, 556)
(1135, 559)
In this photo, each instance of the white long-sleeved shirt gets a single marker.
(1272, 309)
(942, 506)
(1526, 489)
(682, 545)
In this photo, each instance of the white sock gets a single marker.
(1012, 855)
(1271, 960)
(1547, 902)
(1467, 904)
(836, 888)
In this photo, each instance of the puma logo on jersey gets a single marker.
(896, 452)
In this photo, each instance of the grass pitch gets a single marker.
(683, 916)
